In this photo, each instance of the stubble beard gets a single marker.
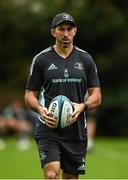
(66, 44)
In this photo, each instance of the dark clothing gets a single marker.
(69, 154)
(52, 75)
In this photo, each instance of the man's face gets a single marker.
(64, 34)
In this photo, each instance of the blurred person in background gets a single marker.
(14, 120)
(2, 132)
(91, 129)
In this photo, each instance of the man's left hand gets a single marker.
(78, 108)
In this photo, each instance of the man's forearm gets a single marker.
(31, 100)
(93, 100)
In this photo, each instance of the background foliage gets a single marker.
(102, 31)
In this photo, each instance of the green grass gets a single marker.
(15, 164)
(109, 160)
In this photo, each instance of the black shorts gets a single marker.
(71, 154)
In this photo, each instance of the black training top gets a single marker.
(52, 75)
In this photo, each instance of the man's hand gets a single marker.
(50, 121)
(78, 108)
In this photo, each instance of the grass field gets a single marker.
(109, 160)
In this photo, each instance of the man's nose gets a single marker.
(65, 32)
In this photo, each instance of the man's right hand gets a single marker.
(50, 121)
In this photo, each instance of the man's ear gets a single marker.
(75, 31)
(53, 32)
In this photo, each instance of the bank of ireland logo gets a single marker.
(66, 74)
(78, 65)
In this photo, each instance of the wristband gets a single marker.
(85, 106)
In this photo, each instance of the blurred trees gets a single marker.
(102, 31)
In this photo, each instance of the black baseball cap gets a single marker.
(59, 18)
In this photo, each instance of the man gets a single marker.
(62, 69)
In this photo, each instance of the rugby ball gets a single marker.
(61, 109)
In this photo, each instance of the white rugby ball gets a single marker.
(61, 109)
